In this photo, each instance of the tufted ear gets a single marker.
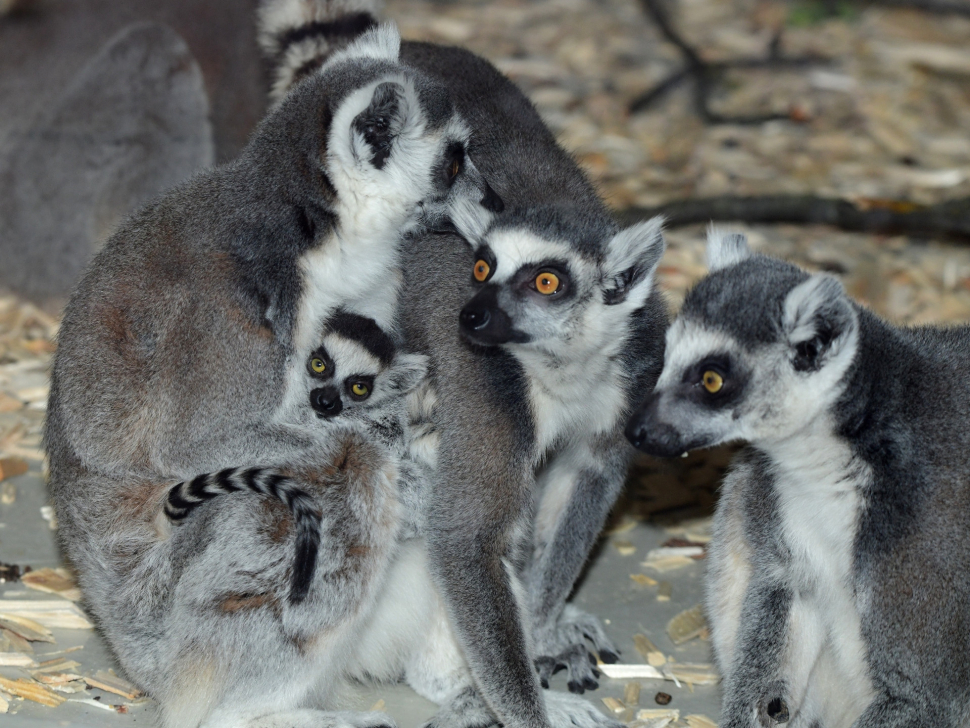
(631, 260)
(819, 322)
(382, 121)
(382, 43)
(725, 249)
(407, 372)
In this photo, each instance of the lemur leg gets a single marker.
(886, 711)
(303, 718)
(578, 489)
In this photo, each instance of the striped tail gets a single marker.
(298, 36)
(186, 497)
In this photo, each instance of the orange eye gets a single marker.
(482, 269)
(455, 168)
(712, 381)
(547, 283)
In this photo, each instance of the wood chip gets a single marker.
(625, 548)
(687, 625)
(31, 690)
(57, 665)
(54, 614)
(643, 580)
(631, 694)
(9, 404)
(96, 704)
(26, 628)
(12, 467)
(16, 659)
(56, 678)
(14, 642)
(668, 563)
(655, 718)
(691, 673)
(70, 687)
(643, 645)
(664, 591)
(630, 672)
(614, 705)
(8, 493)
(4, 705)
(58, 581)
(378, 706)
(700, 721)
(104, 680)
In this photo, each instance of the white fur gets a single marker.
(725, 249)
(382, 43)
(278, 16)
(819, 486)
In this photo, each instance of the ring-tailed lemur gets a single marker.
(831, 600)
(183, 350)
(483, 500)
(357, 363)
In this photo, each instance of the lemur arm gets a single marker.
(577, 491)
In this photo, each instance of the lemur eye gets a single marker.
(359, 389)
(712, 381)
(318, 365)
(455, 168)
(482, 269)
(547, 283)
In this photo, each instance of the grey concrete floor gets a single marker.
(606, 590)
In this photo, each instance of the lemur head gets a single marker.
(759, 350)
(357, 369)
(382, 142)
(552, 279)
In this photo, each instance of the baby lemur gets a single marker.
(183, 350)
(487, 513)
(838, 588)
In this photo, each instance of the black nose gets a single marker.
(474, 319)
(326, 402)
(635, 433)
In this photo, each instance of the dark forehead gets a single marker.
(365, 332)
(745, 300)
(586, 233)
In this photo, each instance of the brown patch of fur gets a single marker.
(233, 603)
(277, 521)
(140, 501)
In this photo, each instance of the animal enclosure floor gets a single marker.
(629, 608)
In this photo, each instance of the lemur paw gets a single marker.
(564, 647)
(570, 711)
(465, 709)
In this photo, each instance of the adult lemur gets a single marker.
(184, 350)
(838, 586)
(489, 514)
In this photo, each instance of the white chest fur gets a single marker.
(819, 486)
(572, 397)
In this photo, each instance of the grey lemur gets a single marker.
(486, 508)
(355, 354)
(183, 350)
(838, 588)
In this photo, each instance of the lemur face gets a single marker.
(397, 147)
(357, 369)
(548, 286)
(758, 352)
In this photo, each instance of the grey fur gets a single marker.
(132, 122)
(830, 599)
(184, 350)
(504, 582)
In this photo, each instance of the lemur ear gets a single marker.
(819, 322)
(381, 121)
(725, 249)
(382, 43)
(471, 218)
(407, 372)
(631, 260)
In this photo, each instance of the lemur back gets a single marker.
(483, 432)
(830, 600)
(184, 350)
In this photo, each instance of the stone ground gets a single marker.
(884, 117)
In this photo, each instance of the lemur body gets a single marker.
(487, 433)
(831, 603)
(184, 350)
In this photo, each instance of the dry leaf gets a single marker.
(687, 625)
(700, 721)
(50, 613)
(31, 690)
(12, 467)
(58, 581)
(104, 680)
